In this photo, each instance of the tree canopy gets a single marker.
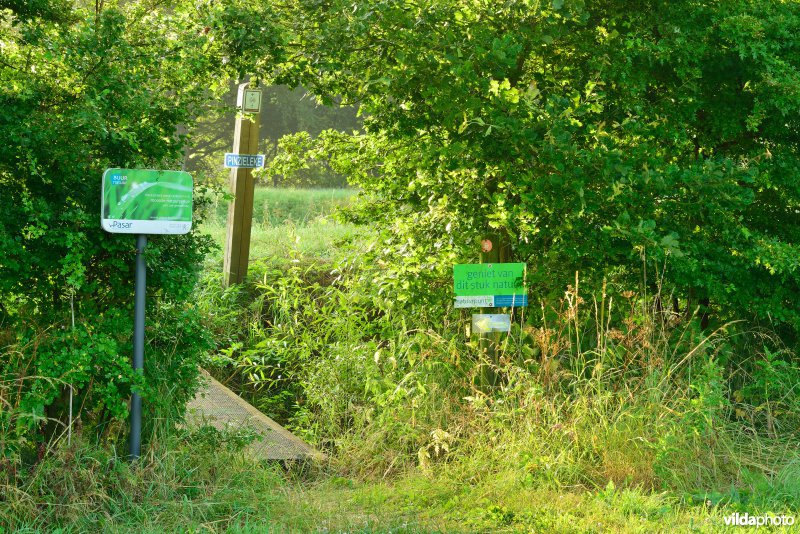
(611, 138)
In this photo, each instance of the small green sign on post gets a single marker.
(489, 285)
(140, 201)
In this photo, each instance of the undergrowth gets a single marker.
(595, 412)
(586, 392)
(187, 481)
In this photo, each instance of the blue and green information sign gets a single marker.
(142, 202)
(139, 201)
(489, 285)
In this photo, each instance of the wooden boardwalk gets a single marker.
(220, 407)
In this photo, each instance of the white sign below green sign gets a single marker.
(140, 201)
(483, 323)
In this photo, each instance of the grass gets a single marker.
(442, 502)
(184, 486)
(318, 238)
(274, 207)
(569, 447)
(288, 224)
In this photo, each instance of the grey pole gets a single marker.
(138, 345)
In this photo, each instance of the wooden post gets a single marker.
(495, 248)
(240, 210)
(499, 249)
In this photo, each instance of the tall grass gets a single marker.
(181, 484)
(584, 396)
(585, 392)
(595, 412)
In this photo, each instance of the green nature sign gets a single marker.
(139, 201)
(475, 279)
(486, 285)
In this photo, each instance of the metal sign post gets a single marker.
(142, 202)
(138, 344)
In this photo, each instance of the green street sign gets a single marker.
(487, 285)
(139, 201)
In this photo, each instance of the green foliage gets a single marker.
(772, 390)
(244, 34)
(610, 138)
(584, 391)
(38, 376)
(284, 112)
(589, 413)
(635, 400)
(294, 165)
(82, 90)
(709, 399)
(210, 438)
(293, 327)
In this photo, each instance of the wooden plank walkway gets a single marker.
(220, 407)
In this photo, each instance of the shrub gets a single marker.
(83, 90)
(613, 389)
